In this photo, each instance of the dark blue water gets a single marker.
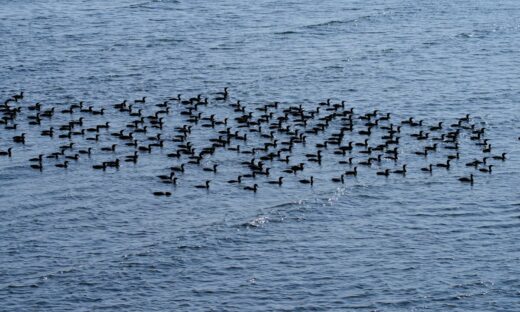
(78, 239)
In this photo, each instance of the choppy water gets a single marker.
(78, 239)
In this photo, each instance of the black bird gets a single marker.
(277, 182)
(238, 180)
(65, 165)
(39, 166)
(7, 153)
(353, 172)
(162, 193)
(19, 138)
(132, 158)
(222, 96)
(502, 157)
(214, 169)
(308, 181)
(178, 169)
(100, 167)
(385, 173)
(177, 154)
(254, 188)
(467, 179)
(75, 157)
(446, 165)
(49, 132)
(141, 100)
(166, 177)
(428, 169)
(456, 156)
(145, 148)
(109, 149)
(225, 93)
(477, 162)
(204, 186)
(367, 162)
(39, 158)
(340, 179)
(17, 97)
(112, 163)
(401, 171)
(423, 153)
(488, 169)
(95, 138)
(172, 181)
(87, 151)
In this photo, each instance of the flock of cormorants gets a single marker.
(265, 134)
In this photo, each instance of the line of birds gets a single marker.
(275, 133)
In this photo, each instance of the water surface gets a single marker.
(85, 240)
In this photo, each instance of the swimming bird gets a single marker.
(143, 100)
(49, 132)
(17, 97)
(95, 138)
(109, 149)
(222, 96)
(132, 158)
(87, 151)
(385, 173)
(353, 172)
(166, 177)
(178, 169)
(162, 193)
(401, 171)
(223, 93)
(346, 162)
(277, 182)
(254, 188)
(338, 180)
(423, 153)
(145, 148)
(367, 162)
(446, 165)
(465, 118)
(74, 157)
(488, 169)
(177, 154)
(171, 181)
(204, 186)
(428, 169)
(307, 181)
(38, 166)
(477, 162)
(7, 153)
(19, 138)
(238, 180)
(467, 179)
(65, 165)
(501, 157)
(39, 158)
(213, 169)
(456, 156)
(114, 164)
(103, 167)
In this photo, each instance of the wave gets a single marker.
(151, 5)
(339, 22)
(288, 32)
(256, 222)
